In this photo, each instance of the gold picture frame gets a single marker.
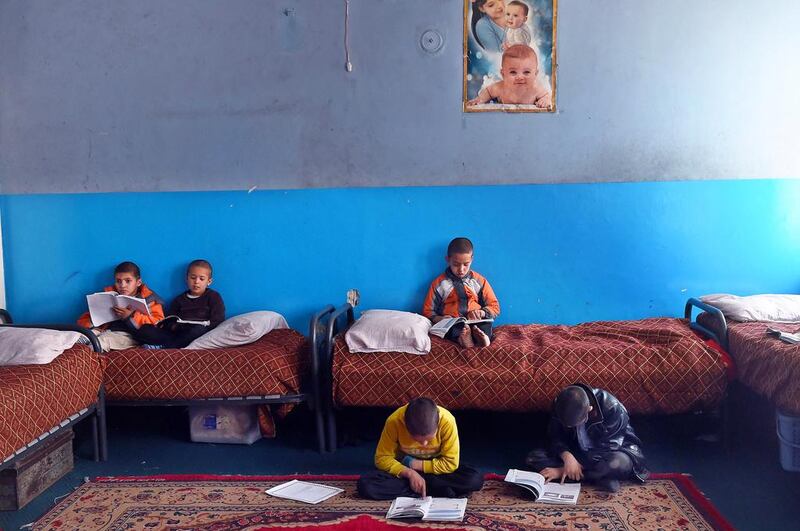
(510, 56)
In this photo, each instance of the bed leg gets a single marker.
(331, 425)
(725, 426)
(320, 426)
(100, 414)
(95, 438)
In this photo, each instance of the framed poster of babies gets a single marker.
(510, 55)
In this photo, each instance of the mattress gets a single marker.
(652, 365)
(766, 364)
(36, 398)
(273, 365)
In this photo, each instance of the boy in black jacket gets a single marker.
(590, 436)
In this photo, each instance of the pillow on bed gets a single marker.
(389, 331)
(776, 308)
(239, 330)
(33, 346)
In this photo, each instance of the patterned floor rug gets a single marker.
(236, 503)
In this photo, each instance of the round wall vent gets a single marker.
(431, 41)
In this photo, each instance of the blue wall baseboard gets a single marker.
(554, 253)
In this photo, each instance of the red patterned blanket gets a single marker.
(652, 365)
(274, 364)
(35, 398)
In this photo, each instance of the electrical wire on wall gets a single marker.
(347, 65)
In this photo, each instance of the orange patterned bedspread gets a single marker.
(35, 398)
(652, 365)
(273, 365)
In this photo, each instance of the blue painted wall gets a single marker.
(554, 253)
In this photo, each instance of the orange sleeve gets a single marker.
(427, 306)
(156, 314)
(85, 320)
(492, 304)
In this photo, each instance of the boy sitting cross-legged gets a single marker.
(590, 437)
(418, 455)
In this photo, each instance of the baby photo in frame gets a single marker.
(510, 55)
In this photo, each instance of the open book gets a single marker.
(101, 306)
(784, 336)
(553, 492)
(304, 491)
(440, 509)
(176, 319)
(441, 328)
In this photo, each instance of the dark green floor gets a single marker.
(746, 483)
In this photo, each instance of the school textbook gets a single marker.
(441, 328)
(552, 492)
(304, 491)
(101, 306)
(428, 508)
(784, 336)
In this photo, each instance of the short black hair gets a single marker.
(422, 417)
(128, 267)
(459, 246)
(518, 3)
(572, 405)
(201, 263)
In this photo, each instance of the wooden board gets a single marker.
(34, 473)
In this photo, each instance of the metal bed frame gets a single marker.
(311, 397)
(722, 340)
(340, 319)
(96, 411)
(718, 315)
(324, 326)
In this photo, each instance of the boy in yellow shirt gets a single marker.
(418, 455)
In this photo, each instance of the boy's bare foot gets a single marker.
(465, 339)
(480, 337)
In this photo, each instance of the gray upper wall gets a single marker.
(148, 95)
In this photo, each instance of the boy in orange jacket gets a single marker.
(116, 335)
(462, 292)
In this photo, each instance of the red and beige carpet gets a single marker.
(235, 503)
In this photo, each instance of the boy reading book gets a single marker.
(460, 292)
(192, 313)
(418, 455)
(127, 316)
(590, 436)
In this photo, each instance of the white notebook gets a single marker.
(304, 491)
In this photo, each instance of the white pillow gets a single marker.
(240, 330)
(776, 308)
(33, 346)
(389, 331)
